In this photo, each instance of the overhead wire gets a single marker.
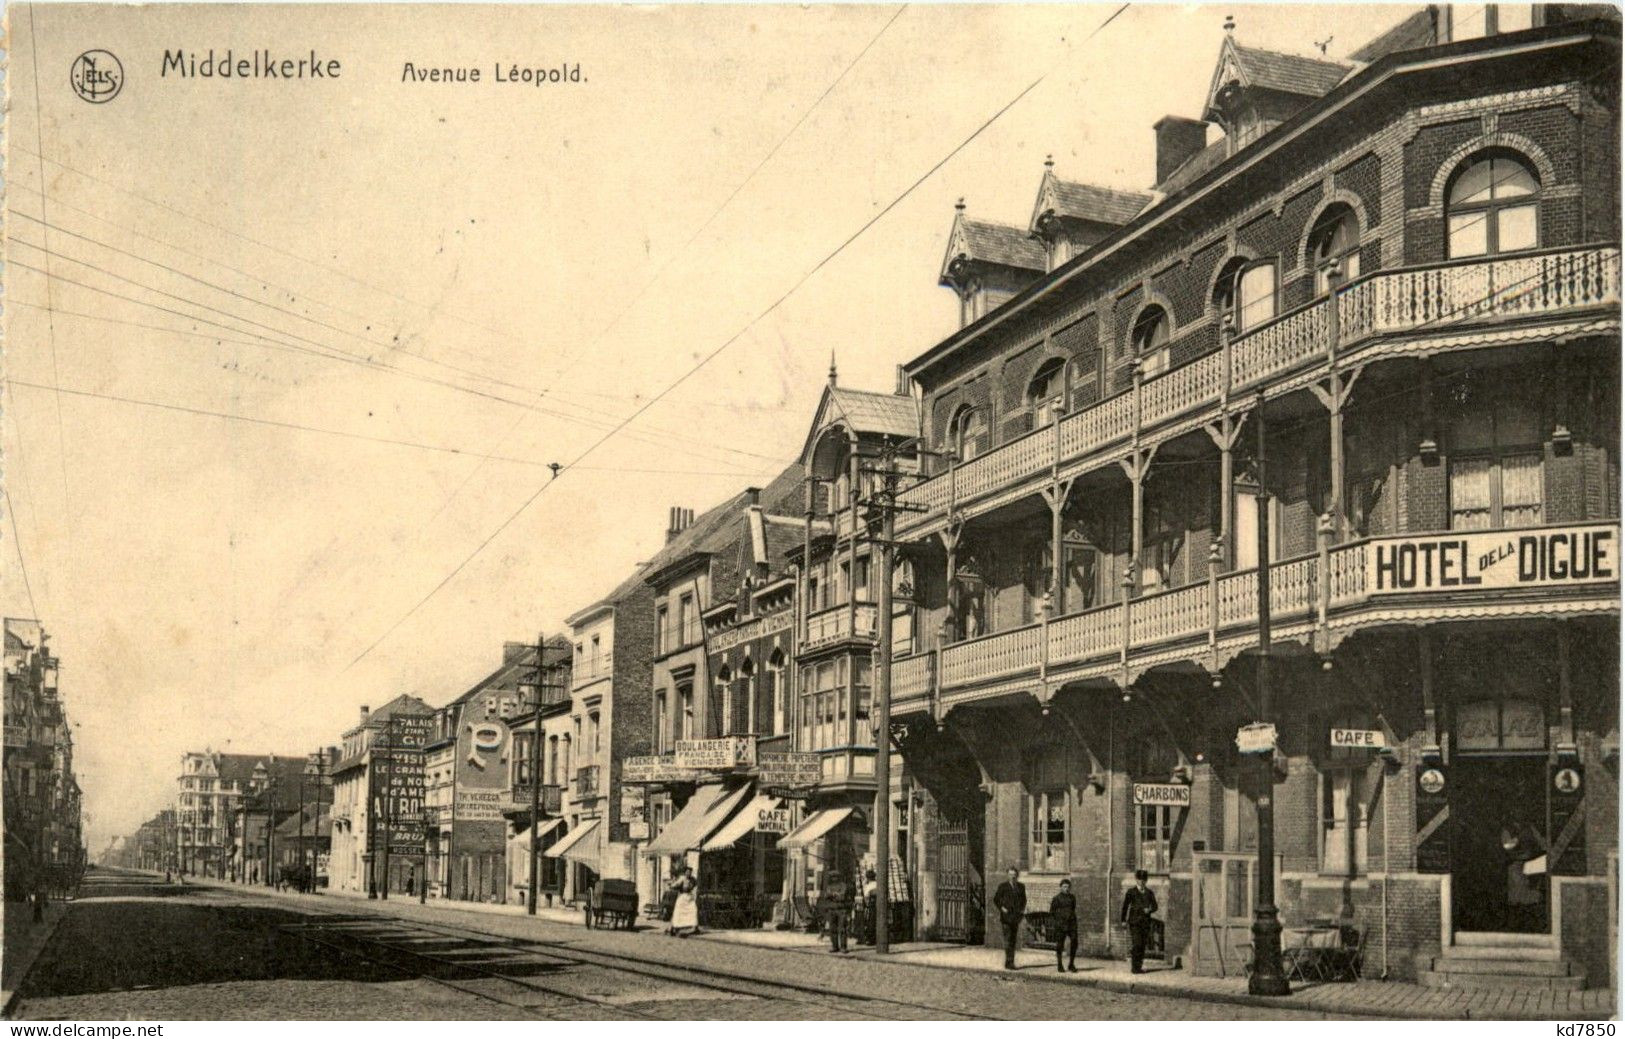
(714, 353)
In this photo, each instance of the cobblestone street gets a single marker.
(217, 953)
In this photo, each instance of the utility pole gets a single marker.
(389, 800)
(536, 771)
(301, 849)
(270, 823)
(1268, 978)
(885, 500)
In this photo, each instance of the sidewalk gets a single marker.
(1376, 999)
(1383, 999)
(24, 941)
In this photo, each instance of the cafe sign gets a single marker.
(656, 768)
(773, 820)
(1494, 559)
(1358, 739)
(725, 753)
(1176, 794)
(790, 769)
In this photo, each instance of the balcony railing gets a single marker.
(551, 797)
(1306, 595)
(588, 781)
(1380, 304)
(840, 622)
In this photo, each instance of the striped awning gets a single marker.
(547, 827)
(743, 822)
(814, 827)
(576, 847)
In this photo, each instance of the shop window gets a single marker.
(1046, 392)
(1155, 848)
(1245, 293)
(1492, 207)
(1335, 238)
(1152, 757)
(1345, 804)
(1149, 340)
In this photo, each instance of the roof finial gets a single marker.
(832, 369)
(1049, 161)
(959, 207)
(1230, 24)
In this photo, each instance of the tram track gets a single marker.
(529, 960)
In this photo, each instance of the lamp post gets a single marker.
(536, 773)
(1268, 978)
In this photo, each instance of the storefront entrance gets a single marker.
(1499, 843)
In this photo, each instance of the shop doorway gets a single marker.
(1498, 846)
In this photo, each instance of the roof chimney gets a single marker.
(678, 520)
(753, 495)
(902, 389)
(365, 714)
(1178, 139)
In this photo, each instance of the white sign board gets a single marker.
(1257, 738)
(773, 820)
(638, 830)
(790, 768)
(656, 768)
(1176, 794)
(480, 805)
(1491, 559)
(725, 753)
(1361, 739)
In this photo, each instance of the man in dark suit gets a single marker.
(837, 906)
(1011, 902)
(1063, 921)
(1138, 905)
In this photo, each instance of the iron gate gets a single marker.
(953, 880)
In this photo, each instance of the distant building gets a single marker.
(43, 820)
(378, 811)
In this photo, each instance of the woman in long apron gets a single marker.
(685, 913)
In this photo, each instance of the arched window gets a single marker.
(723, 700)
(1492, 206)
(1046, 392)
(1335, 237)
(1149, 339)
(967, 433)
(1245, 292)
(744, 707)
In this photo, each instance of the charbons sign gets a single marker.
(1494, 559)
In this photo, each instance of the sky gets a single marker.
(383, 280)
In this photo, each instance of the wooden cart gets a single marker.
(613, 903)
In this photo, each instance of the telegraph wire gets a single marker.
(50, 318)
(278, 424)
(713, 354)
(17, 537)
(267, 342)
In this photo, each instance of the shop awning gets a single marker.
(708, 809)
(547, 827)
(743, 822)
(577, 845)
(814, 827)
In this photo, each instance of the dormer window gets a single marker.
(1472, 21)
(1046, 392)
(1335, 238)
(1149, 339)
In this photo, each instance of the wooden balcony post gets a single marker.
(1227, 332)
(1224, 434)
(1333, 393)
(1323, 582)
(1215, 559)
(1136, 466)
(1128, 586)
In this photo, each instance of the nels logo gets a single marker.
(97, 76)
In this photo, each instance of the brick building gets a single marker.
(1439, 475)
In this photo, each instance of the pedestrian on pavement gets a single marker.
(1011, 902)
(871, 889)
(837, 906)
(685, 910)
(1063, 921)
(1139, 903)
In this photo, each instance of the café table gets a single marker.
(1307, 948)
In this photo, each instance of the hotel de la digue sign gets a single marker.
(1494, 560)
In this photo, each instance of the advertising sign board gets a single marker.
(790, 768)
(773, 820)
(480, 805)
(1494, 559)
(1358, 739)
(1176, 794)
(1257, 738)
(656, 768)
(727, 752)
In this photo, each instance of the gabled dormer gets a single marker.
(988, 263)
(1070, 216)
(1254, 90)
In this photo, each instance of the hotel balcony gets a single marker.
(1417, 311)
(1315, 600)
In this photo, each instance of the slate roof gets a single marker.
(1090, 202)
(885, 413)
(1289, 73)
(1415, 31)
(1001, 244)
(1195, 166)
